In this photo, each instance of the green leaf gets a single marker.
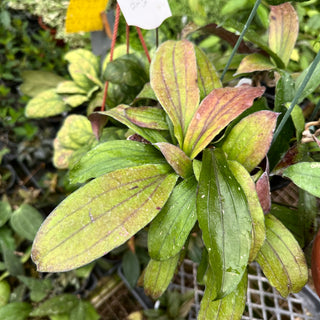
(63, 303)
(208, 78)
(39, 288)
(178, 160)
(127, 70)
(306, 175)
(15, 311)
(84, 68)
(35, 82)
(4, 293)
(215, 112)
(147, 117)
(146, 92)
(312, 84)
(254, 62)
(6, 211)
(69, 87)
(230, 307)
(11, 261)
(281, 259)
(75, 100)
(285, 89)
(158, 276)
(119, 113)
(113, 155)
(46, 104)
(100, 216)
(170, 229)
(256, 212)
(131, 267)
(6, 237)
(75, 134)
(173, 77)
(225, 221)
(249, 140)
(26, 221)
(283, 30)
(297, 119)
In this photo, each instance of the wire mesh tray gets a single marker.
(263, 301)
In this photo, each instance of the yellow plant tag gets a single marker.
(85, 15)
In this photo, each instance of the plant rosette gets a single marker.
(190, 171)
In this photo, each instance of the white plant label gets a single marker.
(145, 14)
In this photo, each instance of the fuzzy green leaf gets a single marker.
(215, 112)
(75, 100)
(119, 114)
(84, 68)
(254, 62)
(249, 141)
(285, 90)
(208, 78)
(113, 155)
(147, 117)
(37, 81)
(158, 275)
(173, 78)
(178, 160)
(131, 267)
(170, 229)
(306, 175)
(39, 288)
(256, 212)
(46, 104)
(281, 258)
(61, 304)
(230, 307)
(6, 211)
(69, 87)
(146, 93)
(75, 134)
(26, 221)
(100, 216)
(225, 221)
(15, 311)
(283, 30)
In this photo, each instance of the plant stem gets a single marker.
(113, 43)
(297, 95)
(244, 30)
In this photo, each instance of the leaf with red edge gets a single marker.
(249, 140)
(173, 78)
(147, 117)
(263, 191)
(101, 216)
(254, 62)
(178, 160)
(315, 262)
(283, 30)
(215, 112)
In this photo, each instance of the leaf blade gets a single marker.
(216, 111)
(105, 213)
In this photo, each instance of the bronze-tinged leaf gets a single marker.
(173, 78)
(177, 159)
(230, 307)
(281, 258)
(315, 263)
(208, 78)
(283, 30)
(147, 117)
(249, 141)
(158, 276)
(256, 212)
(215, 112)
(263, 191)
(254, 62)
(100, 216)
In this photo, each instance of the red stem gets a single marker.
(127, 37)
(143, 44)
(113, 43)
